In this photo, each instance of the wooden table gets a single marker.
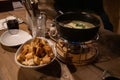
(109, 59)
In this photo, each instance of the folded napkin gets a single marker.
(3, 24)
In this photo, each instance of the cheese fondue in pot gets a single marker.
(78, 24)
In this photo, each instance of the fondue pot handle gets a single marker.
(60, 12)
(93, 40)
(53, 34)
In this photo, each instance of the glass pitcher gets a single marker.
(37, 16)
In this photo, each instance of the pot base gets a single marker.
(77, 55)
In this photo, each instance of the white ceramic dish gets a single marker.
(17, 39)
(52, 45)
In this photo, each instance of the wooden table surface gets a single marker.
(108, 59)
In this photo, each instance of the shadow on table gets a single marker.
(111, 42)
(49, 72)
(10, 49)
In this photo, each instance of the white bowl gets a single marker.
(52, 45)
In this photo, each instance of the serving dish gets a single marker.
(36, 53)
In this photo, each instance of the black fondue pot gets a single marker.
(73, 34)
